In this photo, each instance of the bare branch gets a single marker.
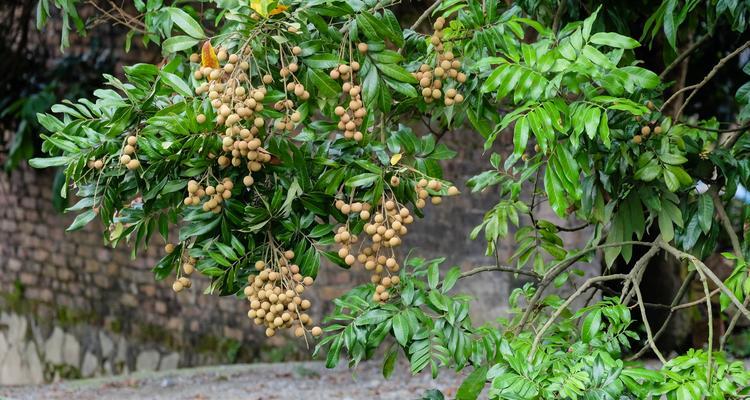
(710, 274)
(589, 282)
(559, 268)
(696, 87)
(725, 221)
(732, 324)
(500, 268)
(686, 53)
(425, 14)
(680, 293)
(649, 336)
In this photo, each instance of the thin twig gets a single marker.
(425, 14)
(558, 15)
(680, 293)
(710, 325)
(559, 268)
(732, 323)
(649, 335)
(696, 87)
(727, 130)
(686, 53)
(710, 274)
(725, 221)
(589, 282)
(500, 268)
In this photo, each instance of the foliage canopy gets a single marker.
(287, 131)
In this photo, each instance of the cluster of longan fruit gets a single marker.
(275, 297)
(432, 79)
(188, 267)
(292, 86)
(423, 188)
(385, 228)
(128, 158)
(351, 114)
(646, 131)
(216, 194)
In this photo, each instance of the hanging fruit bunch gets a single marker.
(247, 149)
(442, 78)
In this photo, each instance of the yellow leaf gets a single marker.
(208, 56)
(395, 158)
(278, 10)
(260, 6)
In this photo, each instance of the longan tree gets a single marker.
(278, 134)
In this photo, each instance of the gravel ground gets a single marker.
(303, 380)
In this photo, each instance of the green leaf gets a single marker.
(389, 363)
(372, 317)
(665, 226)
(178, 43)
(401, 331)
(591, 325)
(616, 40)
(671, 180)
(396, 72)
(322, 61)
(361, 180)
(433, 275)
(472, 386)
(705, 212)
(176, 83)
(186, 22)
(450, 279)
(648, 172)
(50, 162)
(641, 77)
(81, 220)
(596, 57)
(326, 86)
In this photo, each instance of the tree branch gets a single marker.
(649, 336)
(710, 274)
(425, 14)
(732, 323)
(500, 268)
(589, 282)
(696, 87)
(725, 221)
(678, 297)
(686, 53)
(559, 268)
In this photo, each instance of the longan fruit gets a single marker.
(124, 159)
(177, 286)
(316, 331)
(200, 118)
(296, 50)
(645, 130)
(267, 79)
(362, 47)
(637, 139)
(453, 191)
(133, 164)
(169, 248)
(132, 140)
(657, 130)
(289, 254)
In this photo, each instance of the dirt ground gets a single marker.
(303, 380)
